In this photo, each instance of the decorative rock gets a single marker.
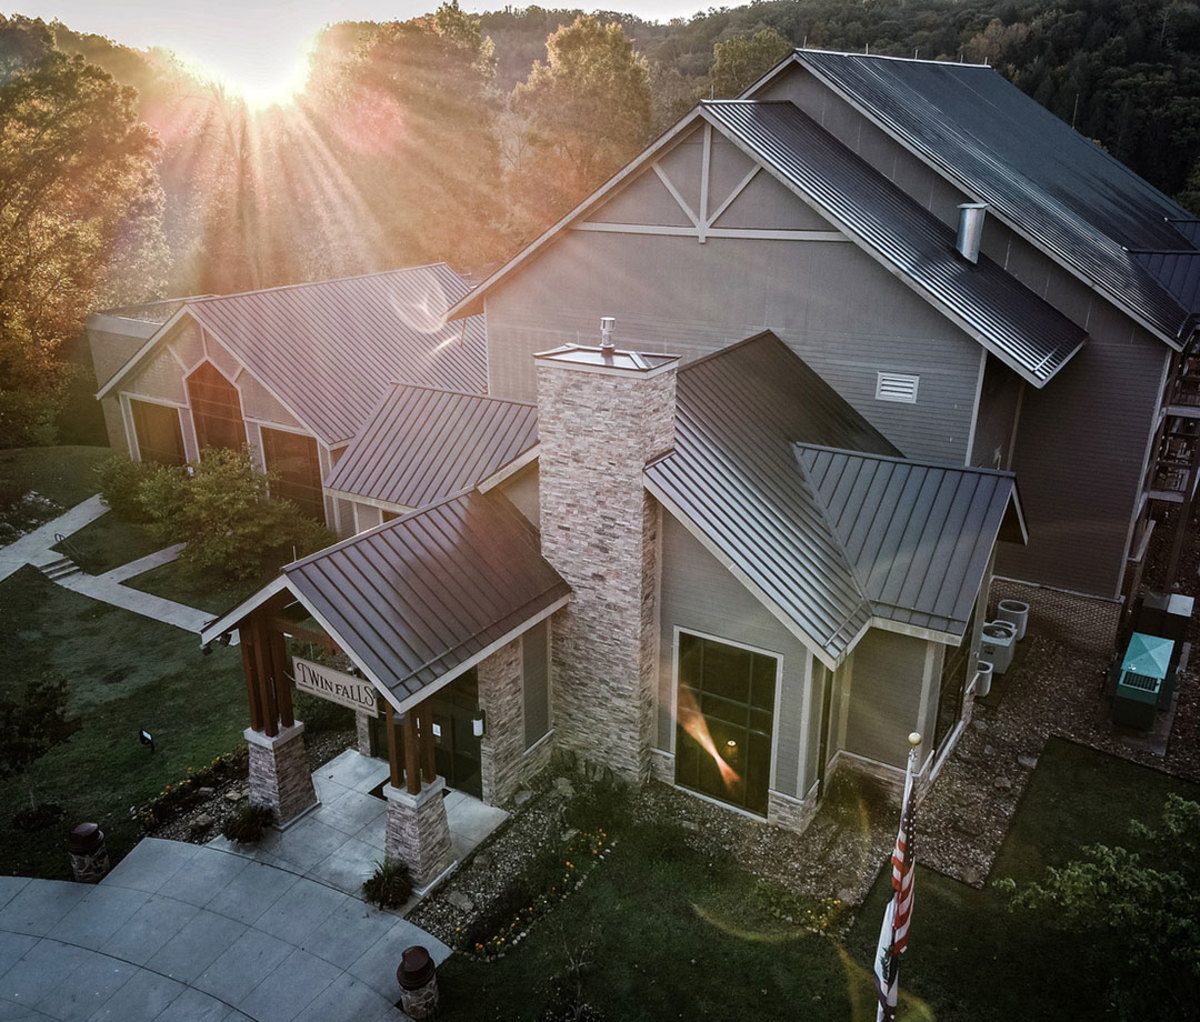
(200, 824)
(460, 901)
(962, 755)
(1027, 762)
(691, 825)
(965, 826)
(522, 796)
(979, 725)
(988, 750)
(1003, 783)
(845, 895)
(233, 796)
(204, 791)
(971, 876)
(564, 786)
(483, 860)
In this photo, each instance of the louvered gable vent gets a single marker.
(900, 387)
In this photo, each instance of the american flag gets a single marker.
(893, 935)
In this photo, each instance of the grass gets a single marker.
(670, 933)
(969, 958)
(127, 672)
(174, 582)
(63, 474)
(107, 543)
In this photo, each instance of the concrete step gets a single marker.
(59, 569)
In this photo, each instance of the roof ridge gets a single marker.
(465, 393)
(317, 283)
(729, 348)
(888, 56)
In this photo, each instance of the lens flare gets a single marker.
(693, 722)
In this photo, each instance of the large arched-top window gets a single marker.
(216, 409)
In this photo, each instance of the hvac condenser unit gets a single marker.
(997, 645)
(1143, 671)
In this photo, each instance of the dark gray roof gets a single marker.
(1178, 272)
(1044, 178)
(422, 444)
(328, 349)
(420, 596)
(919, 536)
(838, 530)
(733, 475)
(1011, 321)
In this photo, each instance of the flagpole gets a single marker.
(893, 934)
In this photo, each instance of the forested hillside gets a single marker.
(461, 137)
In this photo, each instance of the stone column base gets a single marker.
(279, 774)
(418, 833)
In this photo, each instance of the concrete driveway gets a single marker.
(196, 934)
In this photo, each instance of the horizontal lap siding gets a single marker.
(1080, 459)
(885, 694)
(698, 594)
(831, 303)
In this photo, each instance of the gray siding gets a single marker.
(522, 490)
(831, 303)
(998, 403)
(885, 692)
(698, 594)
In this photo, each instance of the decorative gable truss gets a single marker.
(703, 188)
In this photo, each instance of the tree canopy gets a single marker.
(79, 223)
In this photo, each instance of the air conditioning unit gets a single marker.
(997, 645)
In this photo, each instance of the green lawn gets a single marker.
(676, 934)
(174, 582)
(969, 958)
(127, 672)
(63, 474)
(107, 543)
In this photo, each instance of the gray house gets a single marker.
(980, 282)
(256, 369)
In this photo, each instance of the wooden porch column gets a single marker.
(393, 746)
(412, 768)
(246, 638)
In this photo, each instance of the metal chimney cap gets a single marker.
(606, 330)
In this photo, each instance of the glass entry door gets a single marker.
(457, 756)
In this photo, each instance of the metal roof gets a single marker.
(1042, 177)
(422, 444)
(734, 477)
(1178, 272)
(329, 348)
(919, 536)
(421, 597)
(1021, 329)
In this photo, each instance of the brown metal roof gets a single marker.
(328, 349)
(419, 597)
(733, 476)
(1021, 329)
(919, 536)
(421, 445)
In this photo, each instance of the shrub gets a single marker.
(390, 886)
(248, 823)
(120, 481)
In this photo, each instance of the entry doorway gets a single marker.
(457, 756)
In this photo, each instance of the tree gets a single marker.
(740, 61)
(221, 509)
(1142, 920)
(79, 209)
(587, 107)
(33, 725)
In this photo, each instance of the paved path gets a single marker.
(35, 548)
(188, 933)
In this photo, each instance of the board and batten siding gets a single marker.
(698, 594)
(886, 677)
(840, 311)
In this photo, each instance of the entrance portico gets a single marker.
(442, 620)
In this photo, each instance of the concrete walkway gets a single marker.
(36, 548)
(189, 933)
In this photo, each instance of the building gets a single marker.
(256, 369)
(980, 282)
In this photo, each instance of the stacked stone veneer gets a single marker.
(418, 832)
(279, 774)
(1085, 623)
(506, 764)
(597, 429)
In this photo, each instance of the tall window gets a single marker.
(159, 437)
(724, 717)
(216, 409)
(293, 458)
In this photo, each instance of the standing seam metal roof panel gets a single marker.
(1003, 148)
(422, 444)
(420, 595)
(329, 348)
(1020, 328)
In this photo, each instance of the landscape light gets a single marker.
(146, 738)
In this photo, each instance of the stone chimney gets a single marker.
(602, 415)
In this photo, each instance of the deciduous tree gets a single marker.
(740, 61)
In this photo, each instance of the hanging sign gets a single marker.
(336, 686)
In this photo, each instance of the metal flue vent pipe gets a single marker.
(970, 229)
(607, 347)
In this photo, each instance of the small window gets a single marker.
(900, 387)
